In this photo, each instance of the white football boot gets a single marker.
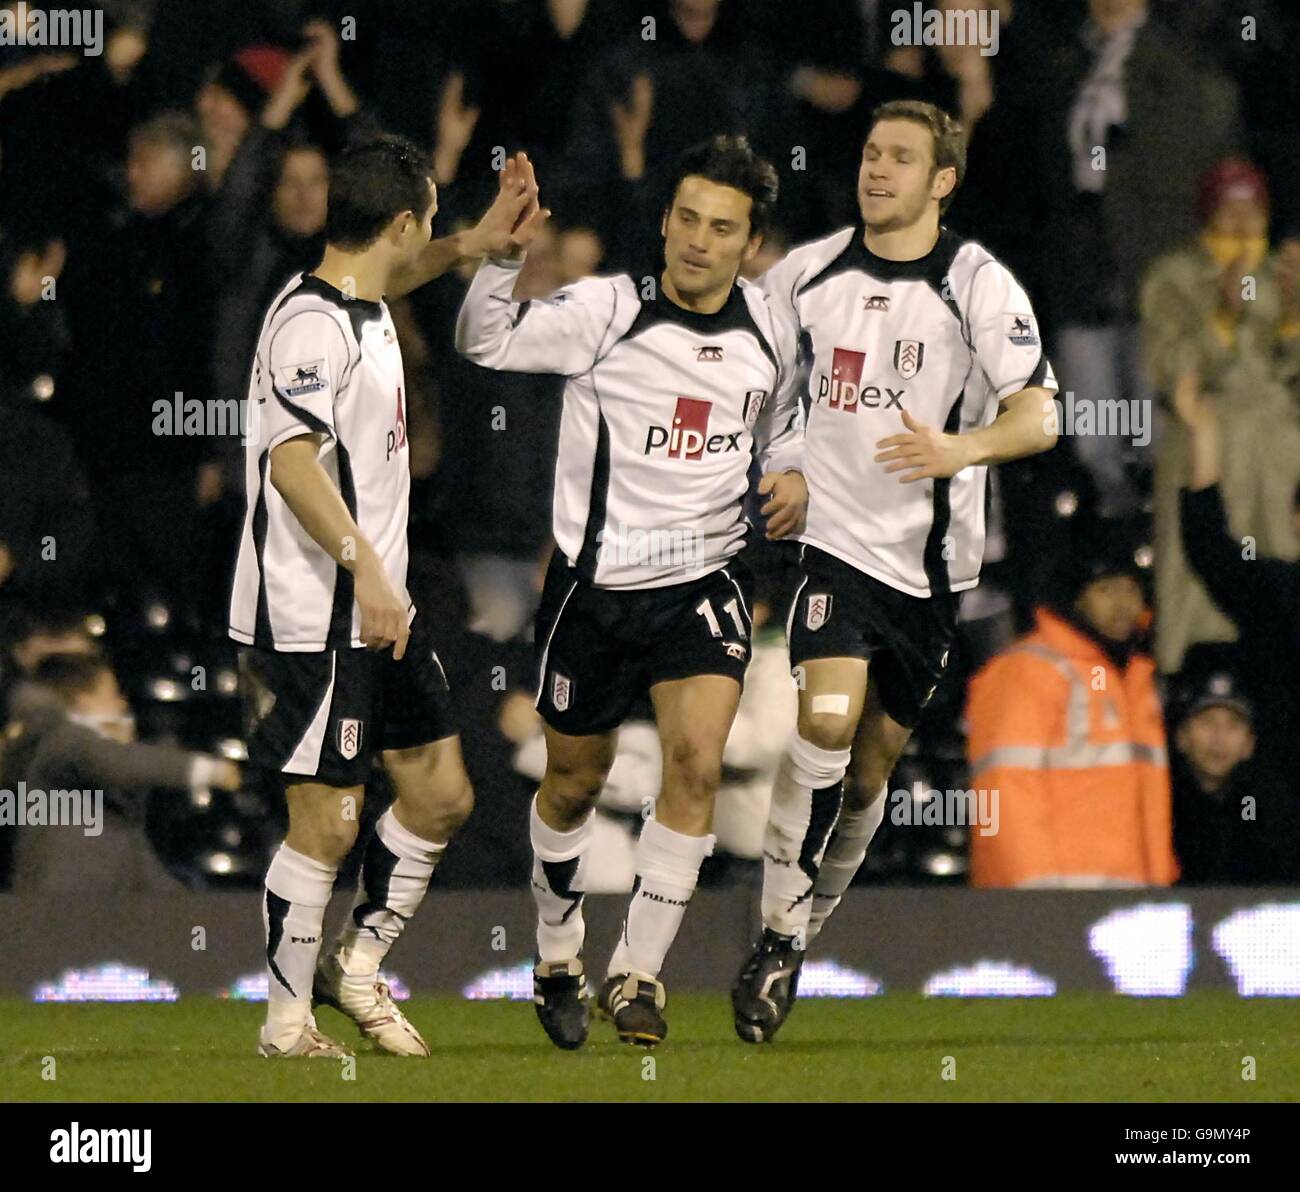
(311, 1044)
(365, 999)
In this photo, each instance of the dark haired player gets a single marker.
(672, 386)
(926, 369)
(336, 664)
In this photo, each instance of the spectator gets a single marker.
(146, 283)
(1218, 317)
(32, 327)
(1260, 594)
(45, 513)
(1136, 120)
(1066, 726)
(1233, 824)
(73, 730)
(695, 79)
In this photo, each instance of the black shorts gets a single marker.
(323, 716)
(600, 650)
(841, 612)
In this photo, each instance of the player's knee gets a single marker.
(330, 838)
(867, 777)
(571, 790)
(831, 732)
(693, 770)
(455, 808)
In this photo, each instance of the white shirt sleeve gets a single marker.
(561, 334)
(779, 284)
(779, 431)
(1004, 333)
(308, 358)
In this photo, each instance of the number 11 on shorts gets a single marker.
(705, 610)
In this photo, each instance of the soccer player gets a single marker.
(337, 664)
(673, 382)
(927, 368)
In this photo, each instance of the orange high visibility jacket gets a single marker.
(1076, 749)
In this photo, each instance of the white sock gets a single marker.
(293, 911)
(805, 803)
(667, 867)
(395, 874)
(557, 886)
(843, 857)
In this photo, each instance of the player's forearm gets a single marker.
(485, 328)
(441, 256)
(1203, 461)
(296, 474)
(1026, 426)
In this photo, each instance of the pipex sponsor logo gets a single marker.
(688, 437)
(85, 1144)
(843, 389)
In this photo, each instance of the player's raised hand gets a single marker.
(923, 453)
(510, 223)
(631, 122)
(291, 90)
(383, 614)
(455, 127)
(787, 511)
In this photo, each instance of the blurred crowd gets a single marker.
(1137, 165)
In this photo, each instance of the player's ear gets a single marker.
(752, 247)
(945, 182)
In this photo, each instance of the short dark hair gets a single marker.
(70, 675)
(731, 161)
(948, 135)
(177, 131)
(371, 184)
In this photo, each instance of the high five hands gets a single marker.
(512, 221)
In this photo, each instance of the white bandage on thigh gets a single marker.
(830, 705)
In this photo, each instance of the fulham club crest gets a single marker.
(754, 399)
(349, 738)
(818, 611)
(561, 691)
(908, 357)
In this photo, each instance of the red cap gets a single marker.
(1231, 178)
(264, 64)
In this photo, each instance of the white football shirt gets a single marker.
(329, 364)
(664, 410)
(945, 337)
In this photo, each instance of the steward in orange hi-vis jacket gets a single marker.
(1066, 725)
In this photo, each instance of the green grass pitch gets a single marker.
(891, 1048)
